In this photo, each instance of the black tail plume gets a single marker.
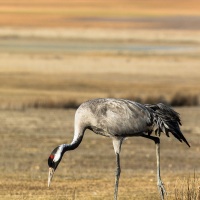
(167, 120)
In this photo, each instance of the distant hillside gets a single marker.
(181, 14)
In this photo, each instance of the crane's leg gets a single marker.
(160, 184)
(117, 175)
(117, 147)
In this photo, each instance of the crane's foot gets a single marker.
(162, 190)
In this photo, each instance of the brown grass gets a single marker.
(27, 138)
(188, 189)
(48, 81)
(177, 100)
(37, 80)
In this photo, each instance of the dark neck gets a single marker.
(73, 145)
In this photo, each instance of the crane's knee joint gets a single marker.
(157, 140)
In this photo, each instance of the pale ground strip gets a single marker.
(176, 36)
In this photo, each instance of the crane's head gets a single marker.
(53, 161)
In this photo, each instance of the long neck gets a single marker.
(78, 136)
(73, 145)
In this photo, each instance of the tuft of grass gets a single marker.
(184, 100)
(188, 189)
(178, 99)
(50, 103)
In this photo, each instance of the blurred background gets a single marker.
(56, 54)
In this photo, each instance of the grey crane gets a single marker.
(119, 119)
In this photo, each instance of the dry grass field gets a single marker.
(50, 80)
(56, 54)
(31, 80)
(27, 138)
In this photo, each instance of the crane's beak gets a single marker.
(51, 172)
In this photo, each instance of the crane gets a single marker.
(119, 119)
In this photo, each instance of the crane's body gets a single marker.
(114, 118)
(119, 119)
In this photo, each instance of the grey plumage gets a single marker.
(125, 118)
(118, 119)
(166, 120)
